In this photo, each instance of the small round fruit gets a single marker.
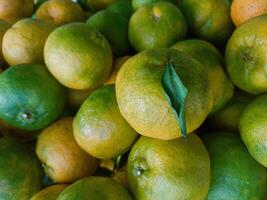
(221, 87)
(156, 26)
(116, 68)
(244, 10)
(99, 127)
(95, 4)
(234, 173)
(30, 97)
(20, 170)
(24, 41)
(95, 188)
(142, 100)
(206, 23)
(227, 118)
(77, 97)
(4, 26)
(14, 10)
(140, 3)
(78, 57)
(64, 161)
(60, 12)
(253, 129)
(122, 7)
(114, 27)
(49, 193)
(169, 170)
(246, 57)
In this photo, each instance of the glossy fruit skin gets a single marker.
(227, 118)
(122, 7)
(234, 173)
(221, 87)
(244, 10)
(245, 56)
(63, 159)
(96, 188)
(172, 169)
(4, 26)
(100, 129)
(252, 129)
(148, 29)
(30, 97)
(142, 99)
(60, 12)
(139, 3)
(114, 27)
(20, 170)
(117, 64)
(95, 5)
(77, 97)
(24, 41)
(75, 63)
(13, 10)
(50, 192)
(203, 22)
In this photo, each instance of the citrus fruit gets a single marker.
(234, 173)
(169, 170)
(95, 4)
(122, 7)
(245, 56)
(114, 27)
(108, 164)
(221, 87)
(4, 26)
(49, 193)
(95, 188)
(115, 69)
(38, 3)
(77, 97)
(243, 10)
(13, 10)
(227, 118)
(27, 104)
(205, 23)
(24, 41)
(64, 161)
(156, 26)
(252, 128)
(121, 176)
(99, 127)
(60, 12)
(142, 99)
(79, 57)
(139, 3)
(20, 171)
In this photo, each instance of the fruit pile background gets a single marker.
(133, 99)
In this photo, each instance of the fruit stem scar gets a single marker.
(26, 115)
(156, 14)
(247, 57)
(139, 171)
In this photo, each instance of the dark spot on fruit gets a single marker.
(26, 115)
(246, 57)
(139, 171)
(155, 18)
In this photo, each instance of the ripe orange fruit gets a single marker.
(243, 10)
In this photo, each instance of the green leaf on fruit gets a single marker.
(176, 94)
